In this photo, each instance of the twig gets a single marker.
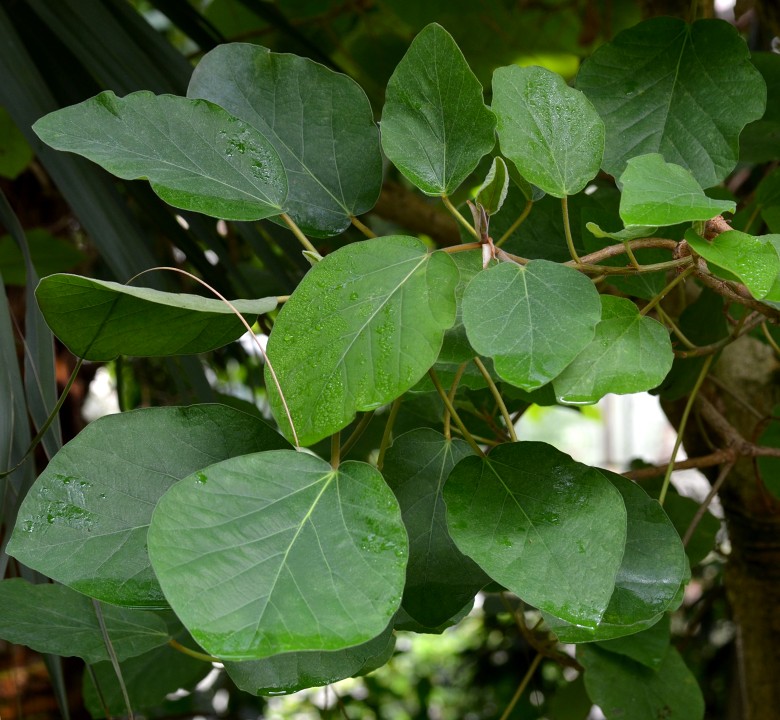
(716, 458)
(357, 432)
(367, 231)
(456, 214)
(446, 431)
(451, 408)
(388, 433)
(499, 400)
(516, 224)
(521, 687)
(716, 486)
(113, 657)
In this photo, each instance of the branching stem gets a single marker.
(302, 239)
(510, 426)
(388, 433)
(516, 224)
(567, 230)
(451, 408)
(456, 214)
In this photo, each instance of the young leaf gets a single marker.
(549, 529)
(290, 672)
(435, 125)
(492, 192)
(623, 688)
(99, 319)
(440, 580)
(84, 521)
(630, 353)
(531, 319)
(277, 552)
(627, 233)
(650, 574)
(195, 155)
(659, 193)
(364, 325)
(55, 619)
(550, 131)
(752, 259)
(685, 91)
(320, 122)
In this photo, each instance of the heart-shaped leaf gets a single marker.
(549, 529)
(550, 131)
(531, 319)
(435, 126)
(84, 521)
(659, 193)
(364, 325)
(654, 85)
(55, 619)
(195, 155)
(99, 319)
(277, 552)
(630, 353)
(320, 122)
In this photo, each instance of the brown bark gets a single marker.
(752, 578)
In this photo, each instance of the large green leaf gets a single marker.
(630, 353)
(624, 688)
(685, 91)
(85, 520)
(319, 121)
(648, 647)
(55, 619)
(658, 193)
(752, 259)
(532, 319)
(291, 672)
(99, 319)
(650, 574)
(550, 131)
(759, 142)
(364, 325)
(278, 552)
(549, 529)
(440, 580)
(435, 126)
(195, 155)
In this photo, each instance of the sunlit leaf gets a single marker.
(195, 155)
(99, 319)
(277, 552)
(84, 521)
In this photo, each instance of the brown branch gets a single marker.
(716, 458)
(620, 248)
(746, 327)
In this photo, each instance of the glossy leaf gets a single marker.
(277, 552)
(653, 86)
(99, 319)
(320, 122)
(549, 529)
(195, 155)
(290, 672)
(550, 131)
(532, 319)
(630, 353)
(492, 192)
(435, 126)
(440, 580)
(752, 259)
(624, 688)
(364, 325)
(85, 520)
(658, 193)
(55, 619)
(650, 574)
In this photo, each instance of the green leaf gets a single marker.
(435, 126)
(658, 193)
(630, 353)
(623, 688)
(650, 574)
(492, 192)
(320, 122)
(759, 142)
(278, 552)
(627, 233)
(148, 678)
(648, 647)
(291, 672)
(654, 86)
(55, 619)
(15, 153)
(99, 320)
(456, 347)
(85, 520)
(531, 319)
(195, 155)
(49, 255)
(547, 528)
(550, 131)
(753, 260)
(440, 580)
(364, 325)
